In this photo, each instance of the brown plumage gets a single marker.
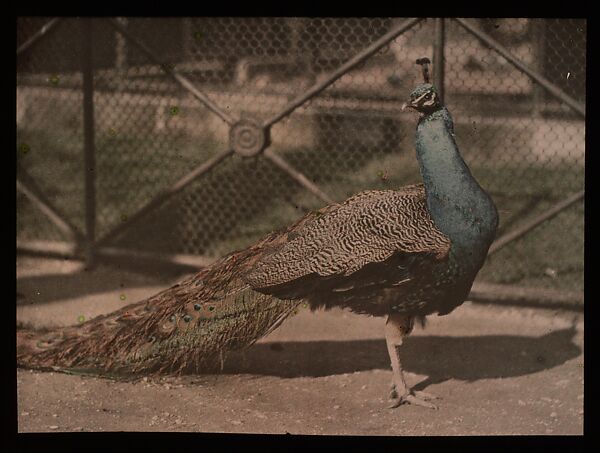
(366, 253)
(246, 294)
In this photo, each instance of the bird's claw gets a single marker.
(415, 397)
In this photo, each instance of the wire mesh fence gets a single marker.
(524, 145)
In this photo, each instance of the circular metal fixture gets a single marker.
(248, 138)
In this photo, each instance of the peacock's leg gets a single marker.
(396, 328)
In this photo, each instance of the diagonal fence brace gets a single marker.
(38, 35)
(297, 175)
(165, 195)
(179, 78)
(541, 80)
(343, 69)
(26, 184)
(535, 222)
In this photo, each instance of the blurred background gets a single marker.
(144, 136)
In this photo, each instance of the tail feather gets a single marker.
(188, 327)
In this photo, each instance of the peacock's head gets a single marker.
(424, 99)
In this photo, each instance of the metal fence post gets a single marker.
(121, 49)
(87, 68)
(438, 56)
(539, 31)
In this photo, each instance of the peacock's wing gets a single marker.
(374, 239)
(380, 239)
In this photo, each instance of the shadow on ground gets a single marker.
(439, 357)
(112, 275)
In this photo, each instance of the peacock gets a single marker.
(403, 254)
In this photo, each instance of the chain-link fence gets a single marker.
(202, 113)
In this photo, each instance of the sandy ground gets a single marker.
(496, 370)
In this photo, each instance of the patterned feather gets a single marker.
(367, 228)
(364, 254)
(228, 305)
(187, 327)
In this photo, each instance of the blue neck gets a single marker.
(458, 205)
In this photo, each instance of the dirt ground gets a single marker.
(497, 370)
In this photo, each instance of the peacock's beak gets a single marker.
(407, 105)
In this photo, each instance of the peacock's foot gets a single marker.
(415, 397)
